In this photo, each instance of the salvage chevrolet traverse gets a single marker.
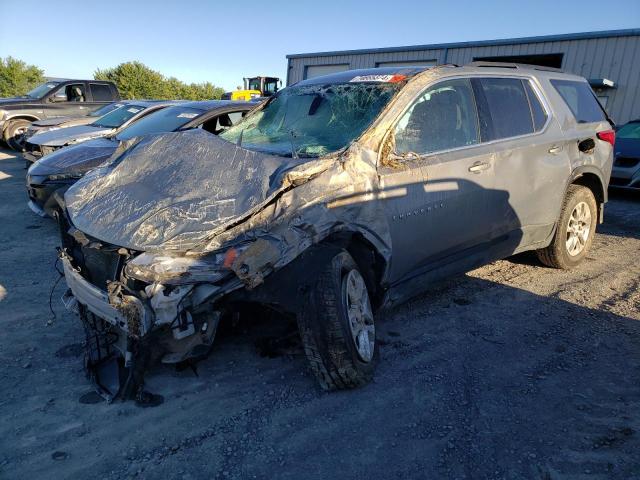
(338, 197)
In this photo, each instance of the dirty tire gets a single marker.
(556, 255)
(326, 333)
(13, 133)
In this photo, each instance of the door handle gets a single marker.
(555, 149)
(479, 167)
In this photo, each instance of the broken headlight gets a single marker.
(176, 270)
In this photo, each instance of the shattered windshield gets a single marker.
(41, 90)
(312, 120)
(118, 117)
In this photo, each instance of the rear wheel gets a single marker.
(575, 230)
(338, 327)
(14, 134)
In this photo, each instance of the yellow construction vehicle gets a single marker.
(255, 87)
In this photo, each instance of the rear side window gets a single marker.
(580, 99)
(100, 92)
(508, 107)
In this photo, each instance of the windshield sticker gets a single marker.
(133, 110)
(118, 105)
(378, 78)
(187, 115)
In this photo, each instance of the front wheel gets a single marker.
(14, 134)
(575, 231)
(338, 328)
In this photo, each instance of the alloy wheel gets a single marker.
(356, 300)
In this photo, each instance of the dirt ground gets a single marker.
(512, 371)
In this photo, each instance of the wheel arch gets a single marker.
(23, 116)
(591, 177)
(371, 262)
(19, 116)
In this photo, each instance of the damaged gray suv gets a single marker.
(340, 196)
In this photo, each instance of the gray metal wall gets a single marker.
(615, 57)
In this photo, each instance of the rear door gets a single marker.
(99, 94)
(531, 163)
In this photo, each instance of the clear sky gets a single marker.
(222, 42)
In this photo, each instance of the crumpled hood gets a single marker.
(61, 137)
(54, 122)
(75, 158)
(171, 191)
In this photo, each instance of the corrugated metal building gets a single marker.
(610, 60)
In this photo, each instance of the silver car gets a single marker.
(340, 196)
(56, 123)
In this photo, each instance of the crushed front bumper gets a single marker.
(131, 316)
(125, 335)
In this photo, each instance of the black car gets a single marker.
(60, 169)
(626, 165)
(57, 98)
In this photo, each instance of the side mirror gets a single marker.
(59, 97)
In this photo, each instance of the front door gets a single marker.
(69, 100)
(438, 191)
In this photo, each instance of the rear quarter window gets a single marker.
(580, 99)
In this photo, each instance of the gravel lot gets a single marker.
(512, 371)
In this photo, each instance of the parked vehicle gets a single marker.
(339, 196)
(626, 165)
(59, 98)
(57, 123)
(48, 142)
(59, 170)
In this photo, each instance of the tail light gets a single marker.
(608, 136)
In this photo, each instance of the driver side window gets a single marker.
(71, 93)
(443, 117)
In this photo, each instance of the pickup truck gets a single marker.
(57, 98)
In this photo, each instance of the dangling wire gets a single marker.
(60, 276)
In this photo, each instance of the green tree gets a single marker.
(17, 78)
(136, 80)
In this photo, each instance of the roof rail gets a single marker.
(513, 65)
